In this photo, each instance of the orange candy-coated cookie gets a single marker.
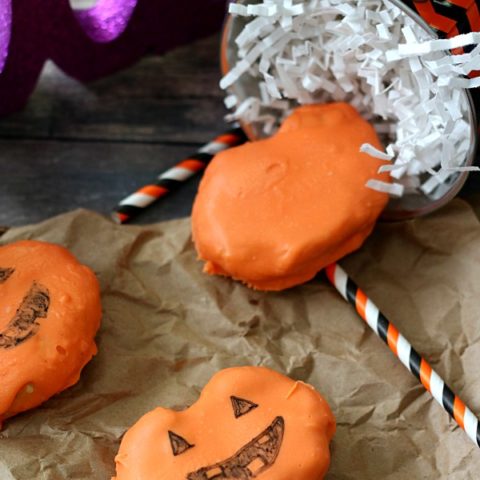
(249, 423)
(49, 314)
(274, 212)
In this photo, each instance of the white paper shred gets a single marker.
(394, 189)
(368, 53)
(375, 152)
(414, 48)
(230, 101)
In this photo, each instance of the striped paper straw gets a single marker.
(400, 346)
(171, 179)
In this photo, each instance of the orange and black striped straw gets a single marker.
(399, 345)
(172, 178)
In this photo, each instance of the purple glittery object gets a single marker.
(88, 44)
(107, 19)
(5, 29)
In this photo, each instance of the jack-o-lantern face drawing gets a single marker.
(251, 460)
(249, 423)
(49, 314)
(24, 323)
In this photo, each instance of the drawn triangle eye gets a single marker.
(241, 406)
(178, 443)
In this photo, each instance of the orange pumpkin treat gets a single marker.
(249, 423)
(49, 314)
(274, 212)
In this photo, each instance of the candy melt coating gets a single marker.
(274, 212)
(243, 414)
(49, 314)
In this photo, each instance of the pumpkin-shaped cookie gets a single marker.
(49, 314)
(274, 212)
(249, 423)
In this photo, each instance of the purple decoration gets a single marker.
(5, 30)
(88, 44)
(107, 19)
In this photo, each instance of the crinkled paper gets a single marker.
(167, 328)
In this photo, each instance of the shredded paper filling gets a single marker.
(372, 55)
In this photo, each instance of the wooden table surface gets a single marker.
(88, 146)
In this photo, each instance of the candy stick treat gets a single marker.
(249, 422)
(274, 212)
(49, 314)
(400, 346)
(171, 179)
(380, 57)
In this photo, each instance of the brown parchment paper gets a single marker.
(167, 328)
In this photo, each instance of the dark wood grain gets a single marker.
(61, 176)
(90, 145)
(162, 99)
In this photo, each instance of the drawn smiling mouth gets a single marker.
(251, 460)
(24, 323)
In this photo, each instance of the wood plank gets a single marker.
(146, 119)
(44, 178)
(172, 98)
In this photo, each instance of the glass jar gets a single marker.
(410, 204)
